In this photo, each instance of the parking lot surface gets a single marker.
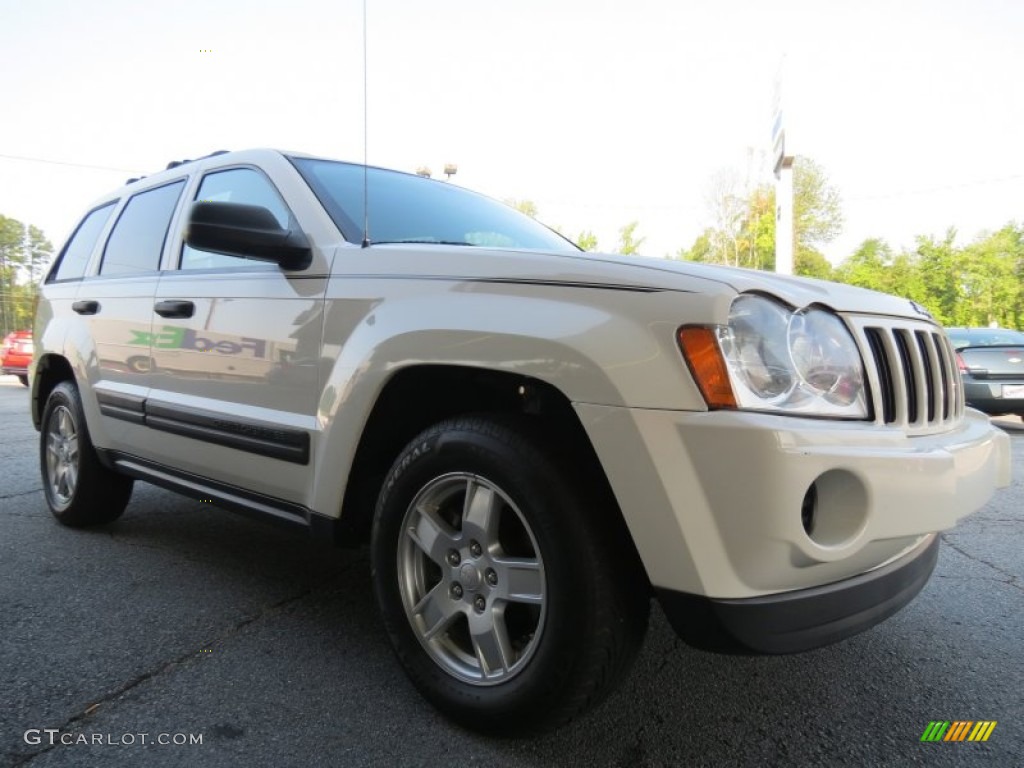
(182, 621)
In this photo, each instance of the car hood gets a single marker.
(630, 272)
(668, 274)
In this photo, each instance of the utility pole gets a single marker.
(783, 184)
(784, 216)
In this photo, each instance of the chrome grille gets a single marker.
(912, 373)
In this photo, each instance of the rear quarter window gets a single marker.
(74, 259)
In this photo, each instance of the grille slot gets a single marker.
(884, 370)
(909, 374)
(928, 365)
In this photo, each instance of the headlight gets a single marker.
(777, 359)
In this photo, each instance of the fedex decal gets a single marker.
(170, 337)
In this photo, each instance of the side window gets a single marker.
(138, 238)
(238, 185)
(75, 257)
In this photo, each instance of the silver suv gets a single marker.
(533, 440)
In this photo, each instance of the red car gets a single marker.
(16, 354)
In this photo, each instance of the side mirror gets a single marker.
(249, 231)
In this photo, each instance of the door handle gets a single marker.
(175, 308)
(86, 307)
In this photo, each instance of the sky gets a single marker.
(599, 112)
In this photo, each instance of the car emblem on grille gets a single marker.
(921, 310)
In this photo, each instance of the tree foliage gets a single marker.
(587, 240)
(978, 284)
(25, 254)
(629, 244)
(817, 205)
(524, 206)
(743, 222)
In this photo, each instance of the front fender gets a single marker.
(595, 345)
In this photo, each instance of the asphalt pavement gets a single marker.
(182, 623)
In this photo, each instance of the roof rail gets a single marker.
(176, 163)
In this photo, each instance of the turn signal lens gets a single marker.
(703, 355)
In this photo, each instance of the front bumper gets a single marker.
(805, 618)
(715, 501)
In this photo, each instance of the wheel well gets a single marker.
(50, 371)
(418, 397)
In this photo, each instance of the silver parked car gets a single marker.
(991, 362)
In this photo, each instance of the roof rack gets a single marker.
(176, 163)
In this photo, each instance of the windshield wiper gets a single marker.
(423, 241)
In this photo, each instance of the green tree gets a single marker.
(756, 239)
(743, 229)
(524, 206)
(25, 254)
(809, 263)
(629, 244)
(702, 249)
(12, 259)
(868, 266)
(942, 278)
(817, 205)
(587, 240)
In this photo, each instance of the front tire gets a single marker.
(23, 378)
(79, 490)
(506, 597)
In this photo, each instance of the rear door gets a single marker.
(115, 307)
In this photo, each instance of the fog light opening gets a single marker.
(808, 509)
(835, 509)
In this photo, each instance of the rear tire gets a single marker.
(506, 595)
(79, 490)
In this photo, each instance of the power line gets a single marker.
(72, 165)
(938, 188)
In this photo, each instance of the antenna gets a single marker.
(366, 183)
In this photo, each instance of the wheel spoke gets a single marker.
(490, 642)
(431, 535)
(73, 449)
(64, 424)
(481, 513)
(71, 477)
(60, 481)
(53, 445)
(520, 580)
(436, 611)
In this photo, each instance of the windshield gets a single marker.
(410, 209)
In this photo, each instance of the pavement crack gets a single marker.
(1011, 578)
(23, 493)
(182, 659)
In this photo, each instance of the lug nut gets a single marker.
(492, 577)
(456, 591)
(453, 557)
(475, 549)
(479, 603)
